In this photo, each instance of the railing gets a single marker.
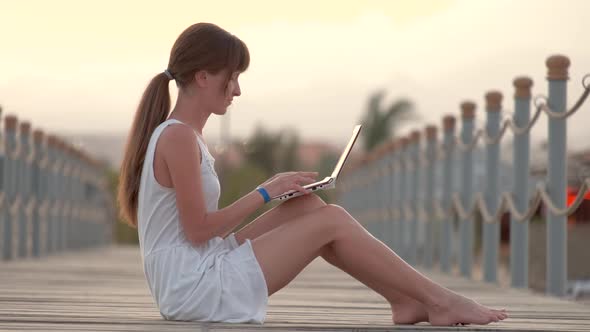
(408, 195)
(53, 196)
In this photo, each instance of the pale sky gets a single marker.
(81, 66)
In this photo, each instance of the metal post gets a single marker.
(414, 187)
(430, 225)
(52, 234)
(37, 194)
(395, 194)
(9, 189)
(447, 192)
(23, 186)
(406, 199)
(519, 231)
(466, 225)
(491, 231)
(557, 176)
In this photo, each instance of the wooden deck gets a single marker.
(105, 290)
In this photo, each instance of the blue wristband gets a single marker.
(264, 194)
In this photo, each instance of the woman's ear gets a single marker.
(201, 78)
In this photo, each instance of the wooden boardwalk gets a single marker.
(105, 290)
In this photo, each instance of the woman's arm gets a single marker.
(182, 156)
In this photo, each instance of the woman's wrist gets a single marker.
(262, 191)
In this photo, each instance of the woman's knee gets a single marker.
(305, 203)
(337, 217)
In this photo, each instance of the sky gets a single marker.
(81, 66)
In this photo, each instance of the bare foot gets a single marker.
(457, 309)
(409, 312)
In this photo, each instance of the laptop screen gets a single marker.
(355, 133)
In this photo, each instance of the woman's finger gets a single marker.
(301, 189)
(309, 174)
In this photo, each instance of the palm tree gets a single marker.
(380, 124)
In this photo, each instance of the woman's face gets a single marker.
(220, 95)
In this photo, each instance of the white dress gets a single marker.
(218, 281)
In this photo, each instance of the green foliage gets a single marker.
(124, 233)
(379, 124)
(272, 152)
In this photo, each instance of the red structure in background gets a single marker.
(582, 213)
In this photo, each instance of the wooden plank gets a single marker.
(105, 290)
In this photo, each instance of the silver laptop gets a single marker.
(329, 181)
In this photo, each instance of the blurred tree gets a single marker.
(261, 149)
(287, 153)
(123, 232)
(380, 124)
(273, 152)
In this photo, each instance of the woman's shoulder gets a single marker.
(178, 139)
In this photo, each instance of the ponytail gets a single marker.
(153, 109)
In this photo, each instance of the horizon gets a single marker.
(311, 70)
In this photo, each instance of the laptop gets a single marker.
(328, 182)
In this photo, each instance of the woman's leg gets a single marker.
(332, 228)
(405, 309)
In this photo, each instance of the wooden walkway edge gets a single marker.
(105, 290)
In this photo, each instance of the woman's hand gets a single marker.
(283, 182)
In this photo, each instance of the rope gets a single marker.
(507, 204)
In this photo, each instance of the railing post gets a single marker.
(430, 228)
(370, 190)
(5, 232)
(404, 198)
(361, 196)
(51, 196)
(24, 190)
(60, 183)
(3, 204)
(414, 149)
(10, 175)
(519, 231)
(387, 199)
(556, 183)
(395, 198)
(466, 225)
(379, 187)
(37, 193)
(491, 231)
(77, 199)
(447, 192)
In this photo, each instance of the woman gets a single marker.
(196, 269)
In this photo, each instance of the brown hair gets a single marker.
(202, 46)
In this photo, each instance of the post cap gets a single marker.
(59, 143)
(10, 122)
(25, 128)
(557, 67)
(38, 135)
(403, 142)
(389, 146)
(415, 136)
(430, 132)
(467, 110)
(522, 85)
(449, 122)
(493, 101)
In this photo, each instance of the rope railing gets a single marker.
(406, 172)
(53, 196)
